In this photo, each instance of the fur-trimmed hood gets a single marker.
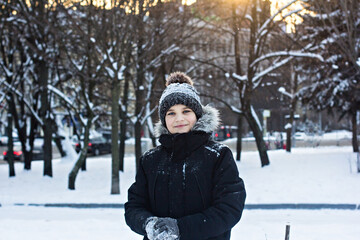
(208, 122)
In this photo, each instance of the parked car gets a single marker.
(107, 135)
(225, 132)
(18, 154)
(4, 138)
(97, 145)
(300, 136)
(38, 151)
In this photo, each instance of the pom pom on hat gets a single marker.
(179, 90)
(178, 77)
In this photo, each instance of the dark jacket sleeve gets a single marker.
(137, 207)
(227, 206)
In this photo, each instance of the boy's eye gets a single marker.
(170, 113)
(187, 111)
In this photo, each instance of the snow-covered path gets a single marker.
(307, 175)
(17, 223)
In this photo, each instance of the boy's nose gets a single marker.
(179, 117)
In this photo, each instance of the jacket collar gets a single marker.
(207, 123)
(181, 145)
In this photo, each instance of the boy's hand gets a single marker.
(162, 228)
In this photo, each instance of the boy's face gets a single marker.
(180, 119)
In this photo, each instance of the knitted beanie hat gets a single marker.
(179, 90)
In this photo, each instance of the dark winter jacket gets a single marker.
(191, 178)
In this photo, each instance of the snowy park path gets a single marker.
(280, 194)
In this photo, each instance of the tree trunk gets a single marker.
(235, 26)
(152, 136)
(19, 120)
(245, 98)
(75, 170)
(239, 139)
(45, 115)
(140, 77)
(289, 130)
(57, 138)
(355, 143)
(83, 165)
(258, 134)
(123, 113)
(294, 86)
(137, 143)
(20, 129)
(59, 146)
(33, 131)
(10, 145)
(47, 147)
(82, 157)
(28, 155)
(122, 143)
(115, 179)
(288, 139)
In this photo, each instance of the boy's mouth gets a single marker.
(181, 126)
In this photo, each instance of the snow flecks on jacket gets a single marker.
(218, 146)
(151, 151)
(184, 174)
(213, 150)
(195, 168)
(184, 170)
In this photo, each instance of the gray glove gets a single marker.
(162, 228)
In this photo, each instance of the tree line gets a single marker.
(101, 60)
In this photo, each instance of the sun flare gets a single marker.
(291, 19)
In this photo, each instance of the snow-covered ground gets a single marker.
(307, 175)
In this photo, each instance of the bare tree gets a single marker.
(253, 59)
(17, 65)
(333, 30)
(84, 61)
(114, 46)
(38, 34)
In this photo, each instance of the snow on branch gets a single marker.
(149, 78)
(8, 73)
(240, 78)
(28, 105)
(61, 95)
(292, 12)
(148, 113)
(121, 72)
(270, 19)
(253, 113)
(168, 51)
(270, 69)
(88, 102)
(282, 90)
(248, 17)
(287, 53)
(326, 16)
(236, 110)
(110, 72)
(2, 96)
(67, 100)
(95, 119)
